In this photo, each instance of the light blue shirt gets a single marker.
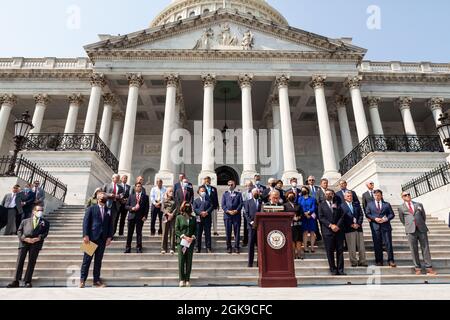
(155, 193)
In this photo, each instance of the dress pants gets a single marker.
(185, 262)
(137, 224)
(168, 237)
(382, 237)
(252, 239)
(33, 252)
(204, 226)
(414, 239)
(245, 240)
(19, 217)
(114, 215)
(120, 219)
(355, 242)
(334, 243)
(98, 257)
(233, 224)
(156, 212)
(214, 220)
(11, 227)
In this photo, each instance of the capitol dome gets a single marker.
(183, 9)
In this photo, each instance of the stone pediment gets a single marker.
(221, 32)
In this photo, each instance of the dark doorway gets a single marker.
(225, 174)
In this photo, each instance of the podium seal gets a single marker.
(276, 239)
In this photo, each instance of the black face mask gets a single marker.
(291, 198)
(304, 193)
(273, 185)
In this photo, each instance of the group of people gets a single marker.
(184, 219)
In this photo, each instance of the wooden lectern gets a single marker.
(275, 255)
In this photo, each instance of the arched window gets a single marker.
(192, 13)
(206, 10)
(179, 18)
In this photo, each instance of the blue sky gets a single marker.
(415, 30)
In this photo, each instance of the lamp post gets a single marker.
(444, 128)
(21, 129)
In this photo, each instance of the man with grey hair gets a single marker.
(157, 195)
(114, 193)
(367, 196)
(274, 201)
(340, 195)
(272, 184)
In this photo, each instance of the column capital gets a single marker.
(353, 82)
(9, 99)
(318, 81)
(172, 80)
(98, 80)
(404, 102)
(373, 102)
(110, 99)
(340, 101)
(76, 98)
(245, 80)
(118, 115)
(274, 100)
(135, 80)
(435, 103)
(209, 80)
(43, 99)
(282, 81)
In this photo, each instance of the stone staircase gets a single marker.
(59, 262)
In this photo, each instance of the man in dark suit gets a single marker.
(333, 223)
(137, 206)
(258, 184)
(98, 228)
(252, 207)
(272, 187)
(232, 206)
(310, 184)
(39, 194)
(28, 198)
(184, 193)
(140, 180)
(179, 184)
(294, 188)
(203, 209)
(123, 211)
(367, 196)
(380, 214)
(320, 194)
(340, 195)
(115, 194)
(13, 203)
(214, 197)
(354, 235)
(32, 233)
(3, 217)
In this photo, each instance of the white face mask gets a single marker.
(39, 214)
(294, 184)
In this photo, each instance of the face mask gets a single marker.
(231, 189)
(294, 184)
(38, 214)
(185, 184)
(202, 194)
(304, 193)
(291, 198)
(273, 185)
(258, 182)
(256, 196)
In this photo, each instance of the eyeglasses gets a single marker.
(406, 195)
(311, 180)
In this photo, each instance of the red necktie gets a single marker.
(411, 210)
(138, 198)
(115, 190)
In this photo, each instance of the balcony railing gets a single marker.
(72, 142)
(428, 182)
(375, 143)
(30, 172)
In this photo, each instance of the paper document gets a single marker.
(89, 249)
(185, 243)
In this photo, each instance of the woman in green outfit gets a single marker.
(185, 228)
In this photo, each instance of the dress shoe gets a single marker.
(14, 284)
(208, 250)
(139, 250)
(379, 264)
(354, 265)
(188, 285)
(152, 234)
(250, 266)
(431, 272)
(120, 234)
(334, 273)
(198, 251)
(362, 264)
(28, 285)
(418, 271)
(229, 251)
(159, 232)
(237, 251)
(244, 244)
(392, 264)
(127, 250)
(99, 284)
(163, 252)
(82, 285)
(216, 234)
(182, 284)
(172, 252)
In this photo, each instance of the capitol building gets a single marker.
(225, 89)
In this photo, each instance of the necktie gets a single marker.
(138, 198)
(411, 209)
(102, 212)
(371, 194)
(35, 222)
(351, 207)
(378, 206)
(115, 189)
(329, 204)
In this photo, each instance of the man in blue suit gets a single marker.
(203, 208)
(98, 228)
(28, 198)
(340, 195)
(252, 207)
(232, 206)
(380, 214)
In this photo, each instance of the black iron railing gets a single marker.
(30, 173)
(375, 143)
(72, 142)
(428, 182)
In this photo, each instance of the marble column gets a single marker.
(209, 82)
(97, 83)
(8, 101)
(165, 171)
(75, 101)
(354, 84)
(248, 133)
(436, 105)
(110, 102)
(277, 146)
(175, 126)
(126, 151)
(287, 135)
(377, 127)
(344, 126)
(404, 104)
(326, 140)
(42, 101)
(333, 118)
(117, 124)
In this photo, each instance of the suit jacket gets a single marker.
(251, 209)
(144, 207)
(96, 228)
(213, 196)
(40, 195)
(26, 230)
(356, 216)
(127, 190)
(366, 198)
(185, 227)
(177, 186)
(231, 202)
(8, 198)
(29, 198)
(179, 196)
(320, 195)
(109, 190)
(413, 222)
(266, 193)
(200, 206)
(340, 197)
(297, 192)
(329, 216)
(133, 190)
(372, 212)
